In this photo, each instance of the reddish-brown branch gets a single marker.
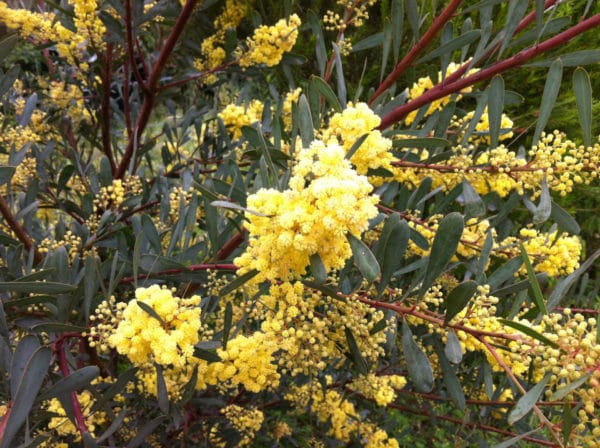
(231, 245)
(105, 108)
(151, 85)
(19, 230)
(452, 86)
(129, 45)
(475, 425)
(425, 40)
(191, 268)
(65, 371)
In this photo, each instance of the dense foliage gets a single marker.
(247, 223)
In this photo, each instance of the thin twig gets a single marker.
(19, 230)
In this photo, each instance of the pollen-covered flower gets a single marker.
(268, 43)
(326, 200)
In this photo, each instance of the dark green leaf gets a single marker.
(512, 442)
(323, 88)
(145, 431)
(450, 379)
(23, 119)
(583, 57)
(551, 88)
(421, 142)
(459, 298)
(356, 145)
(495, 108)
(397, 27)
(529, 332)
(504, 272)
(320, 49)
(561, 217)
(28, 384)
(6, 174)
(77, 380)
(237, 282)
(150, 311)
(305, 122)
(379, 326)
(572, 386)
(364, 258)
(454, 44)
(36, 287)
(391, 247)
(367, 43)
(453, 349)
(57, 327)
(527, 401)
(474, 206)
(516, 11)
(583, 95)
(227, 321)
(538, 297)
(443, 248)
(135, 262)
(7, 43)
(207, 355)
(114, 426)
(417, 363)
(317, 268)
(23, 353)
(161, 390)
(359, 362)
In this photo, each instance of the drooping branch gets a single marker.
(151, 86)
(453, 85)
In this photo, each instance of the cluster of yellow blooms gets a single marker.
(381, 389)
(236, 117)
(268, 43)
(423, 84)
(555, 158)
(326, 200)
(44, 26)
(346, 422)
(112, 196)
(246, 421)
(482, 128)
(70, 241)
(354, 13)
(348, 126)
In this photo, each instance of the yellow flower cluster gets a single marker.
(69, 99)
(330, 407)
(482, 128)
(246, 421)
(555, 158)
(70, 241)
(378, 388)
(64, 427)
(326, 200)
(212, 48)
(90, 28)
(286, 109)
(236, 117)
(167, 336)
(348, 126)
(423, 84)
(308, 327)
(268, 43)
(113, 196)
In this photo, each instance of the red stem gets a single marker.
(191, 268)
(450, 86)
(425, 40)
(64, 369)
(105, 108)
(152, 84)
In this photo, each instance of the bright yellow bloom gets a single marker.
(268, 43)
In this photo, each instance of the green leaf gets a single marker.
(443, 248)
(538, 297)
(317, 268)
(391, 247)
(450, 379)
(417, 363)
(529, 332)
(6, 174)
(561, 217)
(324, 89)
(79, 379)
(474, 206)
(23, 353)
(562, 287)
(161, 390)
(421, 142)
(551, 88)
(375, 40)
(339, 72)
(512, 442)
(495, 108)
(28, 384)
(36, 287)
(385, 51)
(320, 49)
(135, 262)
(364, 258)
(504, 273)
(150, 311)
(237, 282)
(234, 206)
(359, 362)
(151, 234)
(459, 298)
(7, 43)
(453, 349)
(305, 122)
(516, 11)
(355, 146)
(572, 386)
(145, 431)
(397, 27)
(583, 95)
(227, 321)
(57, 327)
(455, 44)
(23, 119)
(527, 401)
(544, 208)
(379, 326)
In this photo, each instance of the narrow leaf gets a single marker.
(364, 258)
(317, 268)
(538, 297)
(527, 401)
(573, 385)
(36, 287)
(391, 248)
(234, 206)
(450, 379)
(495, 108)
(227, 321)
(551, 88)
(529, 332)
(6, 174)
(544, 209)
(561, 217)
(453, 349)
(474, 206)
(150, 311)
(458, 299)
(359, 361)
(583, 95)
(145, 431)
(237, 282)
(324, 89)
(455, 44)
(77, 380)
(417, 363)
